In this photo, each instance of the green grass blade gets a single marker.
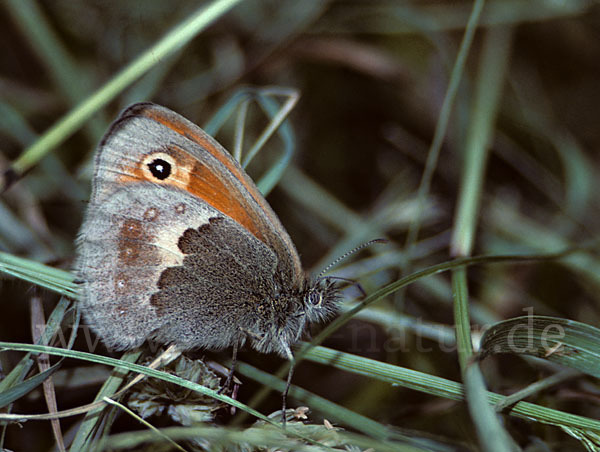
(444, 117)
(84, 438)
(347, 417)
(19, 390)
(57, 280)
(490, 82)
(566, 342)
(443, 387)
(170, 43)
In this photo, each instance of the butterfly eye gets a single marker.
(315, 298)
(160, 169)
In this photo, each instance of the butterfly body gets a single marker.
(179, 246)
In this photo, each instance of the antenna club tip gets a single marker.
(380, 240)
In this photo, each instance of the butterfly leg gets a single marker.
(229, 378)
(285, 393)
(290, 356)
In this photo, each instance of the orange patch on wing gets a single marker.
(192, 176)
(182, 129)
(206, 185)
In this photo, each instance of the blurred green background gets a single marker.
(373, 76)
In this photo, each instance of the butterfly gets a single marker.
(179, 246)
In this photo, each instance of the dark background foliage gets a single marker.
(372, 77)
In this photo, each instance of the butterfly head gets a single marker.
(317, 301)
(320, 300)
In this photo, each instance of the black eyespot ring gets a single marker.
(161, 169)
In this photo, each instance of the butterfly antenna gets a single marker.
(345, 255)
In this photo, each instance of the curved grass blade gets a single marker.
(563, 341)
(171, 42)
(360, 423)
(144, 370)
(277, 113)
(442, 387)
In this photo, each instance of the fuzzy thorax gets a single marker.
(316, 303)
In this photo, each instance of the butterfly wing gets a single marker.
(206, 170)
(159, 177)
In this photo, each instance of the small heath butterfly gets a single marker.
(179, 246)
